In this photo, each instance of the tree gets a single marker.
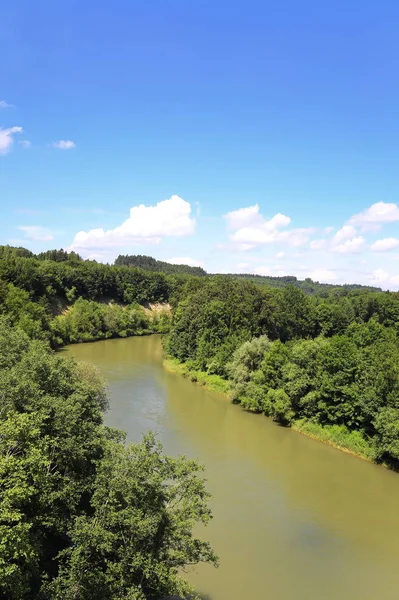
(81, 515)
(139, 534)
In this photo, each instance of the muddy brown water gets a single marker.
(294, 519)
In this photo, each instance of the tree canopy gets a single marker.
(82, 514)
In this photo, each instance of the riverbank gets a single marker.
(215, 383)
(90, 321)
(337, 436)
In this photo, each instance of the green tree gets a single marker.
(81, 515)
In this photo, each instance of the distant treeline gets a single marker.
(322, 358)
(159, 266)
(307, 285)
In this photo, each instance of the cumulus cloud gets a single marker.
(251, 229)
(346, 232)
(185, 260)
(146, 224)
(356, 244)
(36, 233)
(317, 244)
(383, 278)
(243, 217)
(322, 275)
(384, 245)
(4, 104)
(6, 138)
(265, 271)
(345, 241)
(25, 143)
(64, 145)
(380, 212)
(270, 271)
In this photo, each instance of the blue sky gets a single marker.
(270, 129)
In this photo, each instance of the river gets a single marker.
(294, 519)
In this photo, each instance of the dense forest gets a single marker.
(327, 365)
(307, 285)
(318, 358)
(59, 297)
(82, 515)
(159, 266)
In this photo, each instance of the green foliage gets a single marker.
(151, 264)
(82, 515)
(331, 360)
(308, 285)
(65, 276)
(348, 384)
(247, 359)
(212, 382)
(29, 316)
(216, 318)
(87, 321)
(279, 406)
(338, 436)
(320, 353)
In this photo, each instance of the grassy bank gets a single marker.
(215, 383)
(337, 436)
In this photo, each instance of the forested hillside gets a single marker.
(82, 515)
(159, 266)
(307, 285)
(324, 361)
(328, 366)
(59, 297)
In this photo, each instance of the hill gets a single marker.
(159, 266)
(307, 285)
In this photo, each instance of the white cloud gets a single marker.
(270, 271)
(384, 245)
(245, 247)
(25, 143)
(146, 224)
(64, 145)
(6, 138)
(265, 271)
(36, 233)
(185, 260)
(381, 277)
(323, 275)
(317, 244)
(380, 212)
(346, 232)
(243, 217)
(328, 230)
(356, 244)
(280, 255)
(4, 104)
(243, 266)
(251, 229)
